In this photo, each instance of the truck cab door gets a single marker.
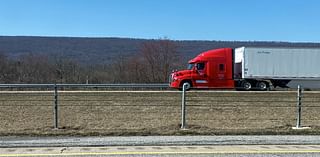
(219, 76)
(201, 75)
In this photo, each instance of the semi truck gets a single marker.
(250, 68)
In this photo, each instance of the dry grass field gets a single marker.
(157, 113)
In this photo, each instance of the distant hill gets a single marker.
(104, 50)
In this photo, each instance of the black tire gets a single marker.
(246, 85)
(188, 87)
(262, 85)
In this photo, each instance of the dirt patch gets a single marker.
(157, 113)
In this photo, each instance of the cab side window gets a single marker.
(200, 66)
(221, 67)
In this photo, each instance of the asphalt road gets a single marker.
(203, 150)
(60, 141)
(264, 146)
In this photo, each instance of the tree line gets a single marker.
(152, 64)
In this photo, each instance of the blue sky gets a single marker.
(245, 20)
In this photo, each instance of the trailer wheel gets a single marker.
(261, 85)
(246, 85)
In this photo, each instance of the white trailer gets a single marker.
(277, 66)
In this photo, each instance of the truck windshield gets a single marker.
(190, 66)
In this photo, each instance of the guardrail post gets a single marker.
(55, 110)
(299, 107)
(183, 107)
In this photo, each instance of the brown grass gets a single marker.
(157, 113)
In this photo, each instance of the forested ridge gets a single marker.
(28, 59)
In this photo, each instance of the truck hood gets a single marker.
(181, 73)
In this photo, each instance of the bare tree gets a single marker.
(68, 71)
(152, 64)
(32, 68)
(137, 70)
(4, 68)
(160, 57)
(119, 69)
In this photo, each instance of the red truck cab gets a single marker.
(210, 69)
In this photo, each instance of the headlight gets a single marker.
(175, 78)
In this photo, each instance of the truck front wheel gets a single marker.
(188, 85)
